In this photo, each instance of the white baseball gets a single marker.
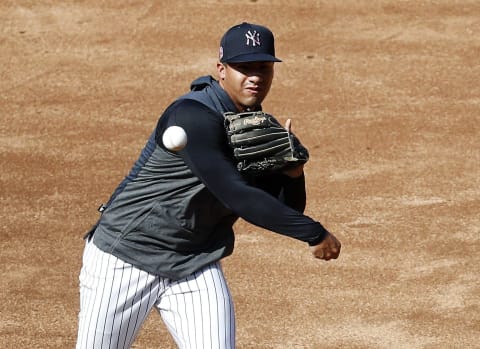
(174, 138)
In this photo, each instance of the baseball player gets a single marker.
(162, 234)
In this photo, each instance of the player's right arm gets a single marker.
(209, 157)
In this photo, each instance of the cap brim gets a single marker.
(257, 57)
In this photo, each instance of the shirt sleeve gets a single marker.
(210, 158)
(290, 191)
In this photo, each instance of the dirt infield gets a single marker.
(385, 94)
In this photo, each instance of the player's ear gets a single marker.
(221, 68)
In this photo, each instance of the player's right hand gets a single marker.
(328, 249)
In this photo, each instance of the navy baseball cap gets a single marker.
(247, 42)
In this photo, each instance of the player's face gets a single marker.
(247, 84)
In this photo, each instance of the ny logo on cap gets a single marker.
(254, 37)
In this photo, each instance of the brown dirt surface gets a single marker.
(386, 96)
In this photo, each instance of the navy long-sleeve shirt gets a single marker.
(174, 212)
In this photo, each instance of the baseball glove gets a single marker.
(260, 144)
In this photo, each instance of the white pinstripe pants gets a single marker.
(116, 298)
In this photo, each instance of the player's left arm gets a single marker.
(293, 190)
(288, 186)
(289, 190)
